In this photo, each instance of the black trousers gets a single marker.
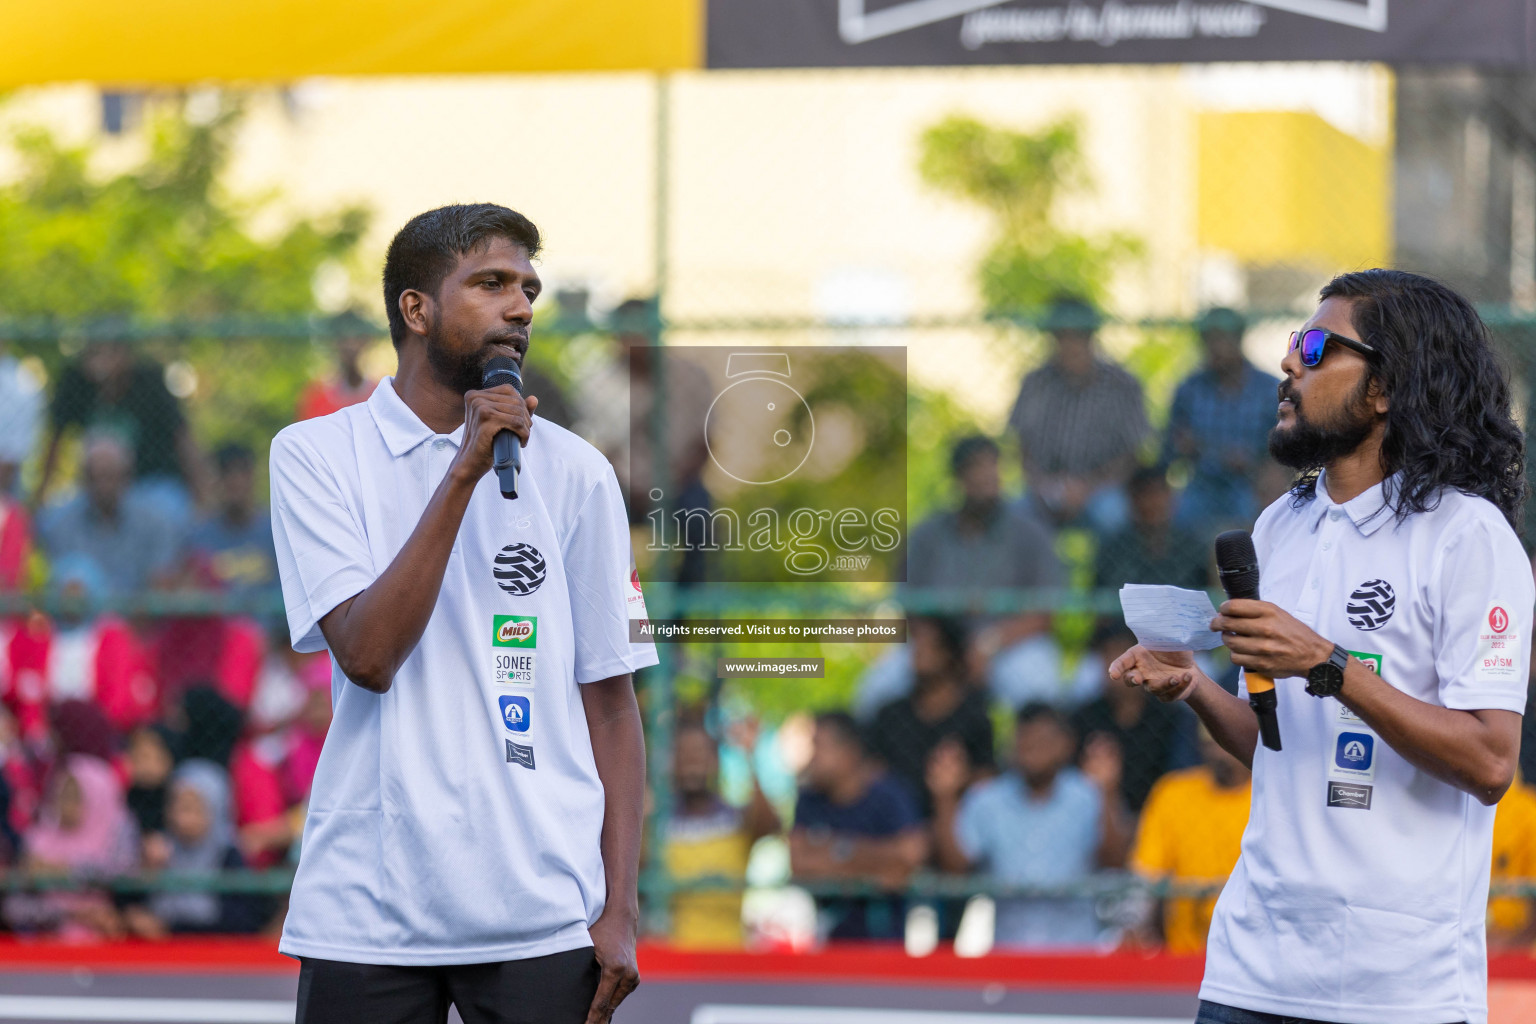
(553, 989)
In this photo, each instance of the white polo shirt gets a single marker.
(457, 817)
(1362, 887)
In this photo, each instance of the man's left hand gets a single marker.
(1265, 639)
(613, 943)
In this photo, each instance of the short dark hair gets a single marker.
(233, 454)
(351, 323)
(842, 723)
(952, 634)
(427, 248)
(1040, 711)
(967, 448)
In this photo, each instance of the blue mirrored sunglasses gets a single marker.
(1312, 341)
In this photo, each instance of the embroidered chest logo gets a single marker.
(519, 569)
(1371, 605)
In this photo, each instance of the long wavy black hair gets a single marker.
(1449, 423)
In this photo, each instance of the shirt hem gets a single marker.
(436, 958)
(1487, 700)
(1340, 1013)
(331, 592)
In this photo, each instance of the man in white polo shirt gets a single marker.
(1395, 621)
(474, 827)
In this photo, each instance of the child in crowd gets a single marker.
(199, 838)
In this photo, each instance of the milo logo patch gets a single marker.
(1372, 660)
(517, 631)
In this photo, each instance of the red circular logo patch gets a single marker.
(1498, 619)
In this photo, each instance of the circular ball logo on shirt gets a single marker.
(519, 569)
(1371, 605)
(1498, 619)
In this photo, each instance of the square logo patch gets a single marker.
(1355, 751)
(519, 754)
(1343, 794)
(515, 712)
(516, 631)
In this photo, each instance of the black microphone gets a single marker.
(1238, 565)
(507, 451)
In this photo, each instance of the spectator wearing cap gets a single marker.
(1152, 548)
(984, 544)
(1219, 426)
(350, 334)
(110, 389)
(944, 706)
(854, 823)
(1080, 421)
(232, 548)
(125, 536)
(1046, 824)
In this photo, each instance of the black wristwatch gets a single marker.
(1327, 679)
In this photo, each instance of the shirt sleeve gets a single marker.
(898, 812)
(971, 825)
(322, 550)
(604, 587)
(1178, 419)
(1483, 621)
(1134, 425)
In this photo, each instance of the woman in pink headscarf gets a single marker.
(83, 832)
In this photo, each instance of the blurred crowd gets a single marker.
(136, 745)
(1092, 781)
(983, 748)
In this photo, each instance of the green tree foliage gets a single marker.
(163, 243)
(1017, 177)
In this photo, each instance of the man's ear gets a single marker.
(417, 310)
(1376, 391)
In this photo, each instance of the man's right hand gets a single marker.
(1167, 675)
(486, 414)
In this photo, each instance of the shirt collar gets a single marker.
(1367, 510)
(401, 428)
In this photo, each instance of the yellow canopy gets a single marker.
(167, 42)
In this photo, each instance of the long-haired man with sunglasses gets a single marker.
(1395, 622)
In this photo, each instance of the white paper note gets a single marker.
(1169, 618)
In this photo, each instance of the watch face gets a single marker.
(1325, 680)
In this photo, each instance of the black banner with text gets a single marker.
(841, 33)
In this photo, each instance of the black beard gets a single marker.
(1307, 446)
(460, 374)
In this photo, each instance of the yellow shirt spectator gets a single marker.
(713, 846)
(1514, 857)
(1191, 831)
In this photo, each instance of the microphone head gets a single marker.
(502, 370)
(1238, 564)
